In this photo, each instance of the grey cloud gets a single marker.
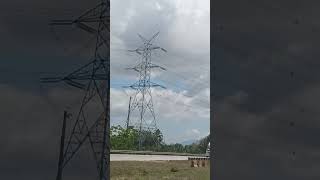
(25, 27)
(264, 142)
(268, 51)
(30, 133)
(147, 20)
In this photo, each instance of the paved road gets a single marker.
(135, 157)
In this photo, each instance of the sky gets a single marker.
(266, 123)
(267, 76)
(182, 109)
(32, 112)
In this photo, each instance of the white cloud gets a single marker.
(185, 34)
(171, 108)
(195, 131)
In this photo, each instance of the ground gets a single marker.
(157, 170)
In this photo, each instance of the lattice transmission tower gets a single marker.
(141, 103)
(91, 125)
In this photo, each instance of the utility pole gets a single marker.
(62, 142)
(93, 79)
(128, 117)
(142, 99)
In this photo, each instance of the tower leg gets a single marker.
(59, 174)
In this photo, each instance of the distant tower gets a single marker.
(141, 113)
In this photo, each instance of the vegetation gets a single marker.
(127, 139)
(157, 170)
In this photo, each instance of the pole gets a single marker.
(102, 162)
(128, 118)
(59, 175)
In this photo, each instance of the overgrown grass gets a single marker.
(157, 170)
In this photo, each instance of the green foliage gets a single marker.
(144, 172)
(128, 139)
(173, 169)
(195, 148)
(203, 144)
(123, 139)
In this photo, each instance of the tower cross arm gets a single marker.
(138, 51)
(157, 66)
(61, 22)
(134, 68)
(152, 84)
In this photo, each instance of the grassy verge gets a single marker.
(157, 170)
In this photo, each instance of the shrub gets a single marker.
(174, 169)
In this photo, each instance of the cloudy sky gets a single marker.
(182, 110)
(267, 77)
(266, 89)
(31, 112)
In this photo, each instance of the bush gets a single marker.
(144, 172)
(174, 169)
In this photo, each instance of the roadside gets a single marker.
(157, 170)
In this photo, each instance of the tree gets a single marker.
(203, 143)
(123, 139)
(128, 139)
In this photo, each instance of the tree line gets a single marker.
(128, 139)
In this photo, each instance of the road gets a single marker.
(135, 157)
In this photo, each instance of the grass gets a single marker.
(157, 170)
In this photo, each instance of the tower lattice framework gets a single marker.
(91, 124)
(142, 102)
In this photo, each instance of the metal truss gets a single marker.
(142, 98)
(94, 79)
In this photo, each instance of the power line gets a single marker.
(202, 98)
(179, 76)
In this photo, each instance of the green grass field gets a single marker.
(157, 170)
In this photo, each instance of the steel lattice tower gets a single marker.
(142, 98)
(94, 79)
